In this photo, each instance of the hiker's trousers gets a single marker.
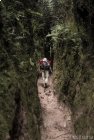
(45, 76)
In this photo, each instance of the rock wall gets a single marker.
(73, 68)
(20, 114)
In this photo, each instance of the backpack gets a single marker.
(45, 65)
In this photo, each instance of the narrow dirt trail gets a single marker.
(57, 123)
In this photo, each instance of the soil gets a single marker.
(57, 120)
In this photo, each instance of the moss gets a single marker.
(20, 113)
(73, 76)
(3, 127)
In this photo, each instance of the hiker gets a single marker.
(45, 67)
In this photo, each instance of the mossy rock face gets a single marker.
(3, 127)
(74, 84)
(19, 105)
(73, 76)
(7, 103)
(20, 113)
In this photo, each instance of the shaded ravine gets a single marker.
(57, 122)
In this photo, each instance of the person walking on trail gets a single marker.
(45, 67)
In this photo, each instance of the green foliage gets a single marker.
(18, 77)
(73, 47)
(3, 125)
(62, 11)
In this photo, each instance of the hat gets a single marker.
(45, 59)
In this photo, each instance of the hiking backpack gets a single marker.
(45, 65)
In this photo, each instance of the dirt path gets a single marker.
(57, 122)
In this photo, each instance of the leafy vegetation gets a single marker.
(20, 113)
(73, 62)
(28, 29)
